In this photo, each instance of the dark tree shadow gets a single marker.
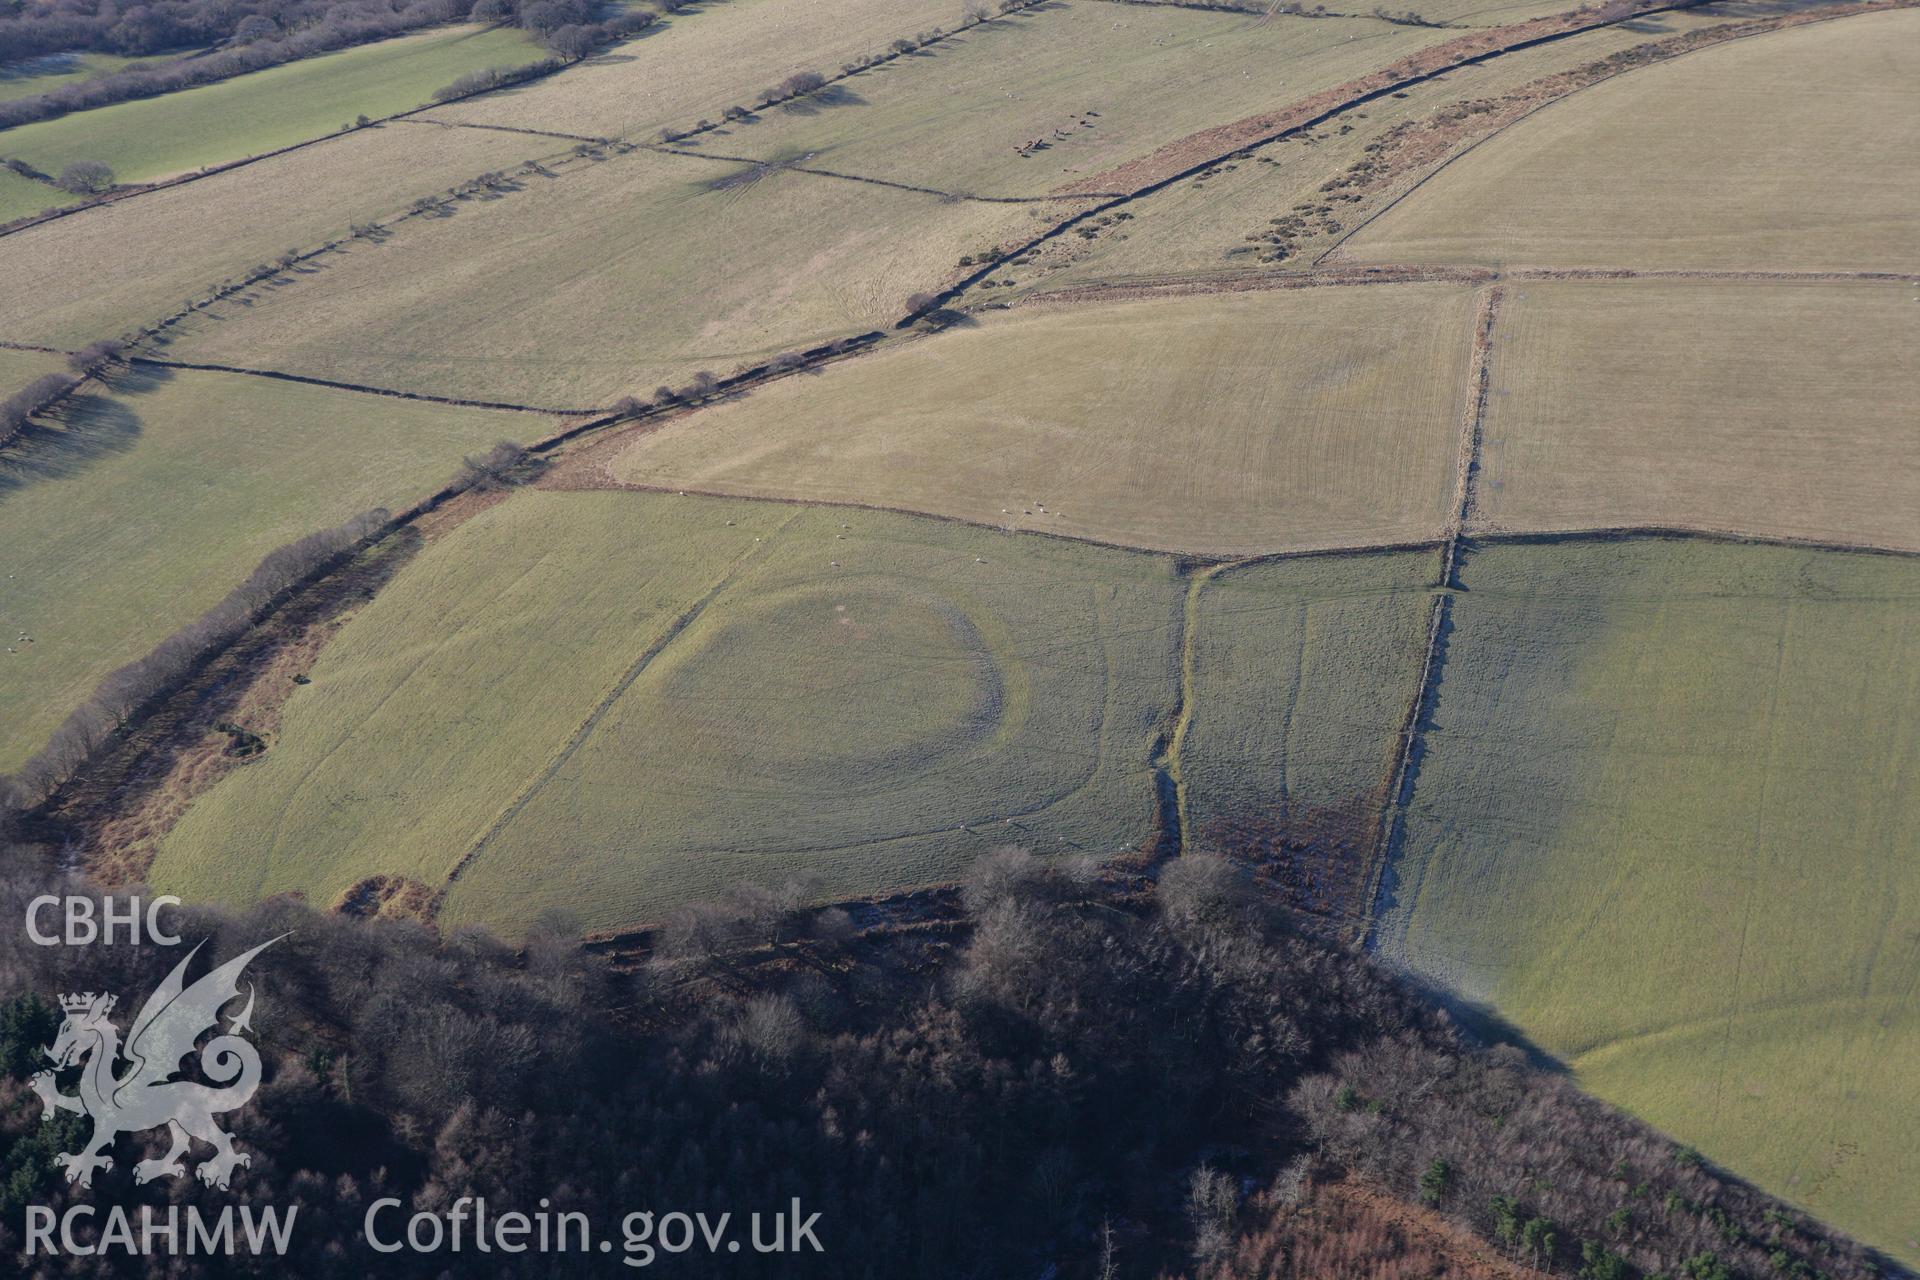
(1484, 1023)
(812, 104)
(67, 442)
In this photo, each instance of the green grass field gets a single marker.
(1665, 825)
(154, 138)
(140, 510)
(1755, 407)
(1701, 162)
(619, 702)
(145, 257)
(1225, 425)
(611, 279)
(1102, 84)
(1300, 675)
(23, 197)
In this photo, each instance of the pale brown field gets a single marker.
(1217, 221)
(1227, 425)
(141, 259)
(701, 61)
(1754, 407)
(1099, 84)
(620, 275)
(1790, 151)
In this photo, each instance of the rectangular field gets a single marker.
(1783, 410)
(151, 138)
(1299, 678)
(1786, 151)
(1664, 823)
(144, 258)
(1230, 424)
(701, 61)
(620, 275)
(1099, 84)
(137, 511)
(612, 703)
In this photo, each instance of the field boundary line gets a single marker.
(1682, 533)
(1406, 758)
(1209, 558)
(1487, 534)
(1017, 8)
(1392, 823)
(1275, 11)
(277, 376)
(1359, 275)
(1473, 420)
(1707, 39)
(775, 166)
(508, 128)
(674, 629)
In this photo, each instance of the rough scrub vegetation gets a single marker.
(121, 696)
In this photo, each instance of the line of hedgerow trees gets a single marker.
(230, 38)
(1082, 1076)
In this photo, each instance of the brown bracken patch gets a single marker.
(387, 897)
(1349, 1228)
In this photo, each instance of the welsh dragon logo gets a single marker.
(145, 1096)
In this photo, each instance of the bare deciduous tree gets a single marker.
(85, 178)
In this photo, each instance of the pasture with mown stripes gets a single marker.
(1222, 426)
